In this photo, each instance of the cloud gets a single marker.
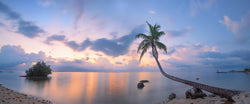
(78, 9)
(15, 58)
(55, 38)
(45, 3)
(196, 6)
(73, 45)
(171, 51)
(229, 64)
(240, 28)
(244, 55)
(213, 55)
(118, 62)
(111, 47)
(178, 33)
(238, 59)
(151, 12)
(12, 56)
(25, 28)
(29, 29)
(1, 24)
(8, 12)
(197, 56)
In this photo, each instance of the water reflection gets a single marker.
(38, 82)
(90, 87)
(114, 88)
(36, 85)
(97, 88)
(118, 84)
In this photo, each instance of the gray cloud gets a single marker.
(12, 56)
(229, 64)
(241, 54)
(178, 33)
(77, 47)
(232, 60)
(110, 47)
(118, 62)
(170, 51)
(118, 46)
(55, 38)
(29, 29)
(25, 28)
(8, 12)
(213, 55)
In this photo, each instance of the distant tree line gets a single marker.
(247, 69)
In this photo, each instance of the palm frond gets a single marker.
(142, 44)
(141, 35)
(159, 34)
(161, 46)
(151, 29)
(157, 27)
(145, 48)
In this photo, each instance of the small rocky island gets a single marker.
(39, 70)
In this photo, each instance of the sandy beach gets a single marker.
(8, 96)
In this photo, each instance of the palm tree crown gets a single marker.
(151, 40)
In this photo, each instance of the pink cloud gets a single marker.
(240, 28)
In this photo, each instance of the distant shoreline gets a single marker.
(9, 96)
(233, 71)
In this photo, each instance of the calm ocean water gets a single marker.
(117, 88)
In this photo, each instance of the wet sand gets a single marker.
(8, 96)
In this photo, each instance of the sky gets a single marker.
(99, 35)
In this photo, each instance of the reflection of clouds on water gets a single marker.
(116, 88)
(36, 86)
(38, 83)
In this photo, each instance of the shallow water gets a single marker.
(117, 88)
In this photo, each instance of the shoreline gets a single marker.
(242, 98)
(9, 96)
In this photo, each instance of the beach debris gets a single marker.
(144, 81)
(172, 96)
(194, 93)
(140, 85)
(197, 78)
(242, 98)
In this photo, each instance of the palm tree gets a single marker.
(152, 40)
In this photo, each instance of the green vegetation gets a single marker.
(151, 41)
(40, 69)
(247, 69)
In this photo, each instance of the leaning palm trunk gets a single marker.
(152, 41)
(226, 93)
